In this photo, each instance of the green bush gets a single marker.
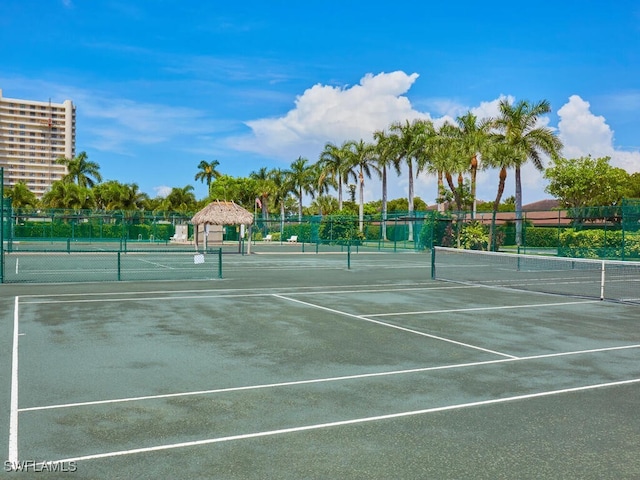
(340, 229)
(599, 244)
(543, 237)
(474, 236)
(372, 232)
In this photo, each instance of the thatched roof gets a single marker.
(223, 213)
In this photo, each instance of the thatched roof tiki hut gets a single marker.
(222, 213)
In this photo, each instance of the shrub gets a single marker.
(474, 236)
(546, 237)
(341, 229)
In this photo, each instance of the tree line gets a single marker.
(453, 152)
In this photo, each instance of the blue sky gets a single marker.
(161, 85)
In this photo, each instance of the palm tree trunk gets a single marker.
(474, 173)
(281, 218)
(361, 207)
(339, 191)
(410, 200)
(496, 205)
(384, 204)
(440, 191)
(459, 192)
(518, 207)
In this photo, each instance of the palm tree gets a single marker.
(207, 172)
(361, 163)
(264, 187)
(21, 196)
(68, 195)
(324, 204)
(473, 136)
(332, 161)
(180, 200)
(80, 170)
(501, 155)
(518, 126)
(301, 178)
(386, 156)
(442, 157)
(322, 183)
(456, 163)
(410, 139)
(282, 188)
(113, 195)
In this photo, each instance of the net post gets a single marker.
(602, 277)
(68, 245)
(220, 263)
(433, 263)
(349, 256)
(118, 255)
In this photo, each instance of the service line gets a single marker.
(397, 327)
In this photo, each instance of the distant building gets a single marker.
(33, 135)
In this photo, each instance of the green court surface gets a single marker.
(299, 366)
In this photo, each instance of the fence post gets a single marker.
(2, 210)
(118, 254)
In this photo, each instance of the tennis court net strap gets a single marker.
(610, 280)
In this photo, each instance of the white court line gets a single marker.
(479, 309)
(208, 295)
(154, 263)
(354, 421)
(158, 292)
(13, 409)
(397, 327)
(326, 380)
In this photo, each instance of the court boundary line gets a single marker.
(341, 423)
(477, 309)
(326, 379)
(397, 327)
(13, 409)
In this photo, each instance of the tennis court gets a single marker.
(301, 365)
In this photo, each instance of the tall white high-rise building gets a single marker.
(33, 135)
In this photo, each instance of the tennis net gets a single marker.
(603, 279)
(91, 266)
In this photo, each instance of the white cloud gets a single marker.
(327, 113)
(332, 114)
(584, 133)
(162, 191)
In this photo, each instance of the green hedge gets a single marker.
(544, 237)
(92, 229)
(599, 244)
